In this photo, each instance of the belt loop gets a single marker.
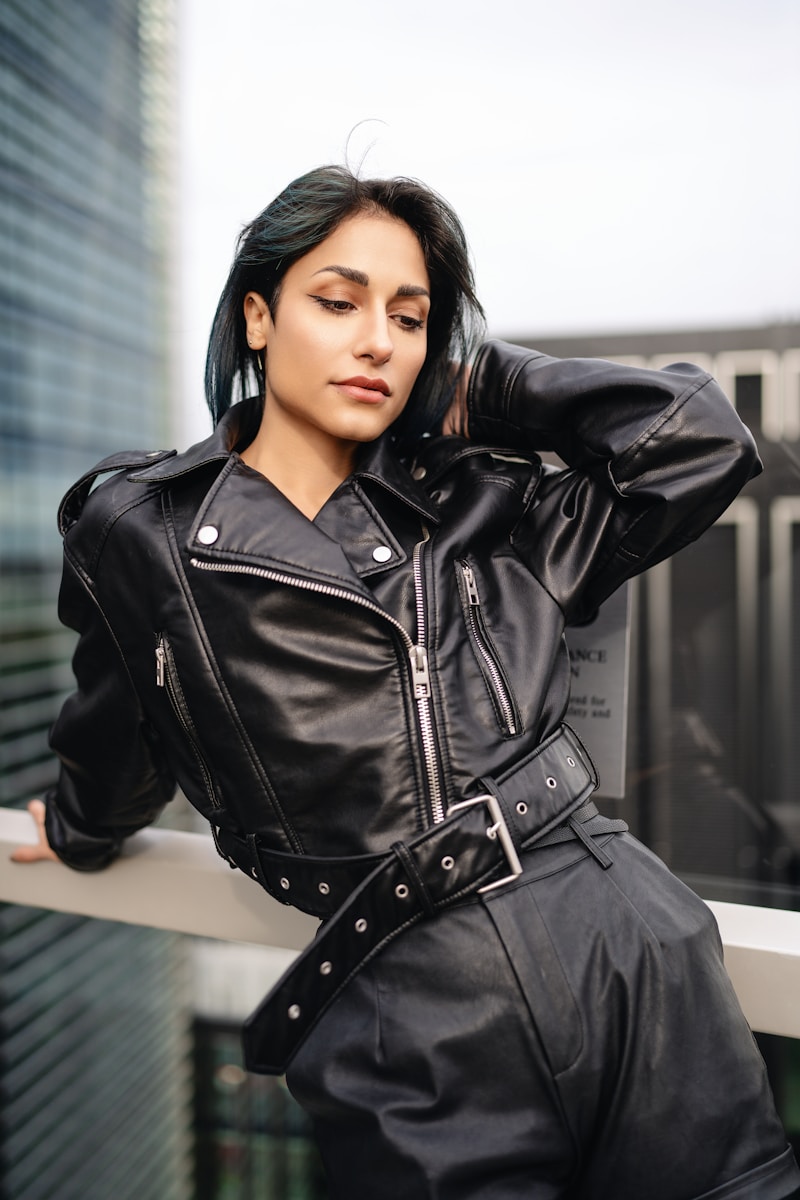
(597, 852)
(256, 870)
(417, 882)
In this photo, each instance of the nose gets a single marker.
(374, 337)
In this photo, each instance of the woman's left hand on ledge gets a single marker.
(40, 851)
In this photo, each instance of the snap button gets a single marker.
(381, 554)
(361, 925)
(551, 783)
(419, 473)
(325, 888)
(325, 968)
(285, 883)
(294, 1012)
(208, 535)
(522, 808)
(448, 862)
(401, 891)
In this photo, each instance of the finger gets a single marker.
(27, 854)
(41, 850)
(37, 810)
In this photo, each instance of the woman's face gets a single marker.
(348, 335)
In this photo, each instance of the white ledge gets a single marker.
(762, 954)
(177, 881)
(163, 878)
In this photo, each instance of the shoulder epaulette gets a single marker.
(71, 506)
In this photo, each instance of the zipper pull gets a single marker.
(419, 672)
(472, 587)
(160, 664)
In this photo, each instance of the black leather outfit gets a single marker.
(327, 689)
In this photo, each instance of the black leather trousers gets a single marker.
(574, 1035)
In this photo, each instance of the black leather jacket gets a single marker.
(330, 686)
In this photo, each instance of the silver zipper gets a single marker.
(417, 653)
(166, 677)
(161, 664)
(422, 692)
(474, 615)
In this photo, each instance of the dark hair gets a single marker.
(301, 217)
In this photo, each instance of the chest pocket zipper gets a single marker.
(167, 677)
(488, 660)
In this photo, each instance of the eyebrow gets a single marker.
(355, 276)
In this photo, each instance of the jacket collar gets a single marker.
(215, 448)
(378, 461)
(380, 464)
(243, 519)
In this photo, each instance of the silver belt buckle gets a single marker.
(497, 830)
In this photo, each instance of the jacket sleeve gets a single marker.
(113, 778)
(653, 458)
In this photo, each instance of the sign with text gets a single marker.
(598, 707)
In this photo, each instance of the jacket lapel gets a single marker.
(245, 519)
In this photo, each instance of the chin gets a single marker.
(364, 431)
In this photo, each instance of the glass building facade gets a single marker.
(252, 1140)
(94, 1034)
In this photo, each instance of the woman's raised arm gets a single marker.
(655, 457)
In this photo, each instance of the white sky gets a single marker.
(618, 165)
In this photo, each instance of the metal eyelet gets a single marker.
(293, 1012)
(571, 761)
(325, 888)
(285, 883)
(325, 968)
(401, 891)
(360, 925)
(448, 862)
(522, 808)
(551, 782)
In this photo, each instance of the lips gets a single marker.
(360, 387)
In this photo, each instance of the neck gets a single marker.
(306, 465)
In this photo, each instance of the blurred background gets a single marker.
(628, 176)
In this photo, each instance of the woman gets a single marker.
(337, 623)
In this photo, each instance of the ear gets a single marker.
(258, 320)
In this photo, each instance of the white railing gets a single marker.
(177, 881)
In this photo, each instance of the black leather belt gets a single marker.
(475, 849)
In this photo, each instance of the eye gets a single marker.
(407, 322)
(335, 306)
